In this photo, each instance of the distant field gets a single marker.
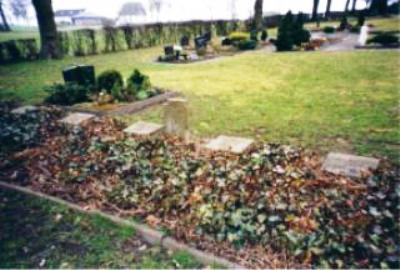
(18, 35)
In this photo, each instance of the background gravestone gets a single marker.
(176, 116)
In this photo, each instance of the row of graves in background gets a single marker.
(208, 46)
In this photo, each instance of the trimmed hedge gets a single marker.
(384, 39)
(17, 50)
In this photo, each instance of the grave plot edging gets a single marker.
(151, 236)
(129, 108)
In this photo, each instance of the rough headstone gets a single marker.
(144, 129)
(235, 145)
(76, 119)
(176, 116)
(349, 165)
(24, 109)
(184, 41)
(80, 74)
(169, 50)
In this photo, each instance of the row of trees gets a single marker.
(375, 7)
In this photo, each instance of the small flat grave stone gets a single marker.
(349, 165)
(235, 145)
(144, 129)
(24, 109)
(76, 119)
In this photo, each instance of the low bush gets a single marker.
(329, 30)
(67, 94)
(238, 36)
(226, 42)
(384, 39)
(301, 36)
(355, 29)
(138, 85)
(264, 35)
(109, 80)
(249, 44)
(254, 35)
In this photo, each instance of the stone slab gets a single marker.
(24, 109)
(144, 129)
(235, 145)
(176, 116)
(349, 165)
(77, 118)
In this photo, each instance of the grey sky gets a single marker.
(178, 10)
(200, 9)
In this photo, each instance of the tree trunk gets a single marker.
(328, 9)
(353, 8)
(379, 7)
(258, 15)
(315, 10)
(346, 8)
(47, 28)
(5, 27)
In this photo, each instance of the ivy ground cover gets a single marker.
(272, 207)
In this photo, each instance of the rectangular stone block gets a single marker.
(235, 145)
(176, 116)
(76, 119)
(144, 129)
(349, 165)
(24, 109)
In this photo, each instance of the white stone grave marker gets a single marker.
(144, 129)
(76, 119)
(349, 165)
(235, 145)
(24, 109)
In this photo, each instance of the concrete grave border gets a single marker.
(129, 108)
(151, 236)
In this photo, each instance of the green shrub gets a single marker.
(329, 30)
(285, 40)
(110, 79)
(384, 39)
(300, 35)
(264, 35)
(238, 36)
(254, 35)
(361, 18)
(249, 44)
(67, 94)
(355, 29)
(137, 83)
(344, 23)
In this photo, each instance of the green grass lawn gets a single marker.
(327, 101)
(36, 233)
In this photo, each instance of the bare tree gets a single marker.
(47, 29)
(346, 8)
(328, 9)
(314, 16)
(5, 27)
(353, 7)
(258, 15)
(378, 6)
(155, 7)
